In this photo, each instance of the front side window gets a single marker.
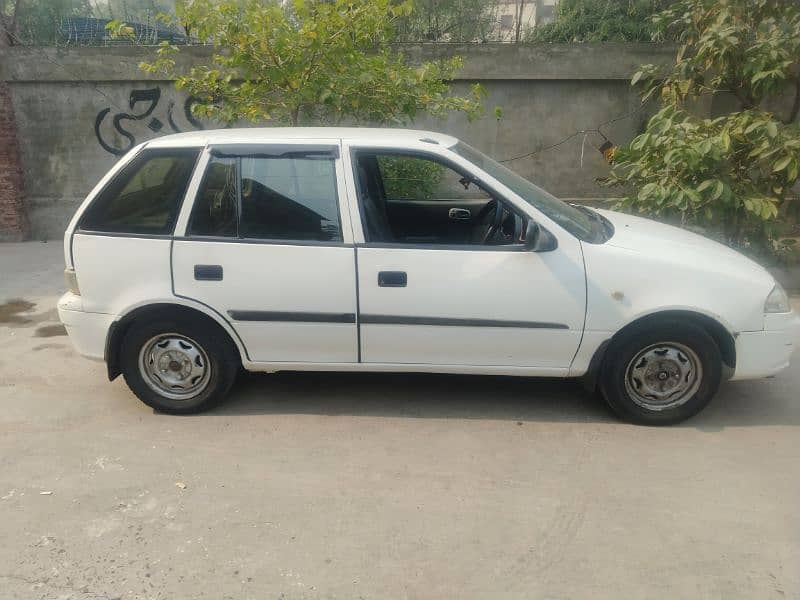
(145, 196)
(583, 224)
(269, 198)
(418, 199)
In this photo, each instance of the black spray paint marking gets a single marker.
(149, 98)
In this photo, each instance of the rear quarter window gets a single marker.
(145, 196)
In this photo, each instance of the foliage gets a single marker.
(119, 30)
(409, 177)
(599, 21)
(447, 20)
(38, 21)
(313, 60)
(136, 11)
(731, 176)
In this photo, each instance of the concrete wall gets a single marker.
(67, 102)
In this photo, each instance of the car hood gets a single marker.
(668, 243)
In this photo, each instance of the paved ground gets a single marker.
(378, 486)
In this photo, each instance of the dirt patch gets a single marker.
(10, 311)
(50, 331)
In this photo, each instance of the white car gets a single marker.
(332, 249)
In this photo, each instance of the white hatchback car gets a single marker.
(396, 250)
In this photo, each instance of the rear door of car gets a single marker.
(267, 245)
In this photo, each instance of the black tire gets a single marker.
(627, 346)
(222, 359)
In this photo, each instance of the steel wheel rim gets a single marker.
(663, 376)
(174, 366)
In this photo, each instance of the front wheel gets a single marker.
(661, 373)
(178, 366)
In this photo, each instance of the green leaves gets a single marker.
(599, 21)
(728, 175)
(310, 61)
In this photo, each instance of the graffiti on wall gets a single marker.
(143, 104)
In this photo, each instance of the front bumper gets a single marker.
(767, 352)
(87, 331)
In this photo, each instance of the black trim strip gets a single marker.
(121, 234)
(263, 242)
(267, 150)
(448, 322)
(305, 317)
(459, 247)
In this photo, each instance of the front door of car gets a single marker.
(265, 247)
(465, 304)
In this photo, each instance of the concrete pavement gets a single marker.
(377, 486)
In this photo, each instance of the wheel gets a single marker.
(178, 365)
(661, 373)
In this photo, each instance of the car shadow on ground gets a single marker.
(430, 396)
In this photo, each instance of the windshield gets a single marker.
(579, 223)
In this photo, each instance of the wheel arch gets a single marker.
(722, 336)
(118, 329)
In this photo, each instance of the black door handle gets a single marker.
(392, 279)
(208, 272)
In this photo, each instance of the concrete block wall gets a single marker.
(78, 109)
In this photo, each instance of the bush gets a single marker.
(599, 21)
(730, 176)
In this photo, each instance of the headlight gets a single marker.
(777, 301)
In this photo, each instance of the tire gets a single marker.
(179, 365)
(661, 373)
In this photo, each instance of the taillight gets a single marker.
(72, 281)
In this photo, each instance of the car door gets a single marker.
(467, 306)
(265, 245)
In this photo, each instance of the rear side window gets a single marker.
(215, 211)
(145, 196)
(269, 198)
(289, 199)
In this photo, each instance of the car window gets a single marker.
(420, 200)
(282, 198)
(289, 199)
(415, 178)
(215, 209)
(145, 196)
(577, 222)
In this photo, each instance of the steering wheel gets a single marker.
(488, 221)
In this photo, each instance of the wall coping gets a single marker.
(597, 61)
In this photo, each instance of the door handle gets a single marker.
(459, 214)
(392, 279)
(208, 272)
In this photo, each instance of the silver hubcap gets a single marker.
(174, 366)
(663, 376)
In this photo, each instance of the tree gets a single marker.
(37, 21)
(138, 11)
(311, 61)
(731, 175)
(600, 21)
(448, 21)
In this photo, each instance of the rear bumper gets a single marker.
(87, 331)
(767, 352)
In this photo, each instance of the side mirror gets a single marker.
(538, 239)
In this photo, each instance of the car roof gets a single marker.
(256, 135)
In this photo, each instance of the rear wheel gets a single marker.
(661, 373)
(178, 365)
